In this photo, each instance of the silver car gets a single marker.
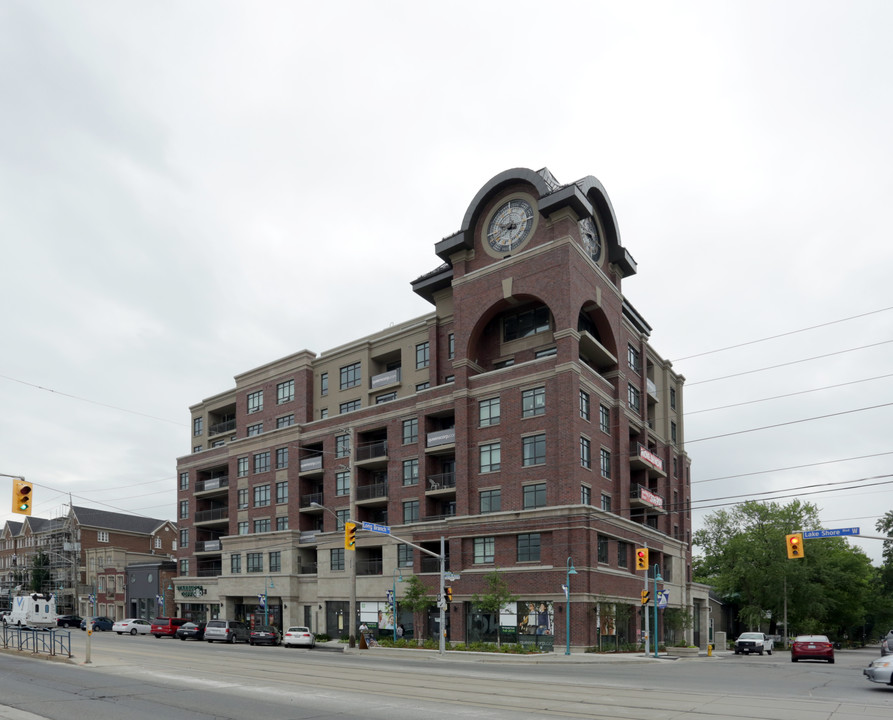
(228, 631)
(880, 670)
(887, 644)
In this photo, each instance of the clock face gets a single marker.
(510, 226)
(591, 241)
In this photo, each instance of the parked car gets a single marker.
(753, 642)
(228, 631)
(299, 637)
(166, 626)
(98, 623)
(69, 621)
(132, 626)
(812, 647)
(880, 671)
(265, 635)
(887, 644)
(191, 631)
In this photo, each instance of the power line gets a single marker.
(802, 487)
(780, 335)
(791, 467)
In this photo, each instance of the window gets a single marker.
(261, 495)
(422, 356)
(585, 495)
(197, 426)
(157, 543)
(282, 492)
(548, 352)
(484, 549)
(101, 580)
(585, 453)
(242, 498)
(242, 467)
(490, 457)
(235, 564)
(622, 554)
(184, 568)
(323, 413)
(534, 450)
(491, 501)
(534, 496)
(533, 402)
(529, 547)
(411, 472)
(242, 527)
(422, 386)
(387, 397)
(673, 431)
(634, 397)
(604, 419)
(285, 421)
(197, 448)
(488, 412)
(410, 431)
(349, 406)
(499, 364)
(342, 446)
(451, 346)
(606, 463)
(606, 502)
(262, 526)
(602, 549)
(184, 509)
(410, 511)
(336, 559)
(281, 458)
(673, 398)
(584, 404)
(255, 429)
(342, 483)
(341, 517)
(275, 560)
(526, 323)
(632, 357)
(254, 562)
(282, 522)
(404, 556)
(184, 480)
(262, 462)
(102, 536)
(350, 376)
(324, 384)
(255, 401)
(184, 537)
(285, 392)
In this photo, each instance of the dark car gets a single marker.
(99, 623)
(69, 621)
(265, 635)
(887, 644)
(191, 631)
(812, 647)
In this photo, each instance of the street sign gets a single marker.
(451, 576)
(374, 527)
(830, 533)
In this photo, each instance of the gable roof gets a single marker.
(12, 527)
(91, 517)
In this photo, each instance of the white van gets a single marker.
(33, 611)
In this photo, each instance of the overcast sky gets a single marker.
(191, 189)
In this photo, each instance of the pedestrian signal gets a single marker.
(795, 545)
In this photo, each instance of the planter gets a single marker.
(683, 651)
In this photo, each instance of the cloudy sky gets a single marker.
(191, 189)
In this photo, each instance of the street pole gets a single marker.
(567, 609)
(353, 555)
(654, 600)
(442, 644)
(394, 599)
(645, 611)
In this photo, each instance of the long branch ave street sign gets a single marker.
(830, 533)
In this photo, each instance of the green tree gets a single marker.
(497, 597)
(40, 572)
(417, 601)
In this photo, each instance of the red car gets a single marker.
(166, 626)
(812, 647)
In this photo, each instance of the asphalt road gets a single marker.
(138, 678)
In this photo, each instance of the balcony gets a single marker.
(597, 354)
(369, 567)
(645, 459)
(442, 484)
(651, 389)
(432, 564)
(385, 379)
(372, 454)
(221, 427)
(209, 570)
(311, 466)
(307, 568)
(372, 494)
(212, 486)
(642, 497)
(208, 546)
(306, 501)
(217, 515)
(440, 442)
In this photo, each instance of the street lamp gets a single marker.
(567, 609)
(268, 585)
(394, 599)
(657, 578)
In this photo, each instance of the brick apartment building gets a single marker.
(526, 420)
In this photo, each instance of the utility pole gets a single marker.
(352, 556)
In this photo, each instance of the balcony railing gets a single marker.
(646, 497)
(307, 500)
(208, 546)
(367, 451)
(212, 484)
(442, 481)
(368, 492)
(383, 379)
(369, 567)
(215, 514)
(222, 427)
(432, 564)
(441, 437)
(309, 464)
(307, 569)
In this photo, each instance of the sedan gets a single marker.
(132, 626)
(264, 635)
(69, 621)
(887, 644)
(880, 671)
(812, 647)
(299, 637)
(98, 623)
(191, 631)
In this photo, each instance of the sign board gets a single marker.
(374, 527)
(451, 577)
(830, 533)
(663, 598)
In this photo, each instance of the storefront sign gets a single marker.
(192, 590)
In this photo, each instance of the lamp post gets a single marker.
(567, 609)
(394, 599)
(657, 578)
(267, 585)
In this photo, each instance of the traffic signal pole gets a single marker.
(645, 609)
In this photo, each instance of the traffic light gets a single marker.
(21, 496)
(795, 545)
(350, 536)
(646, 596)
(641, 558)
(448, 594)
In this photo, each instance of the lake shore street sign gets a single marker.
(373, 527)
(830, 533)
